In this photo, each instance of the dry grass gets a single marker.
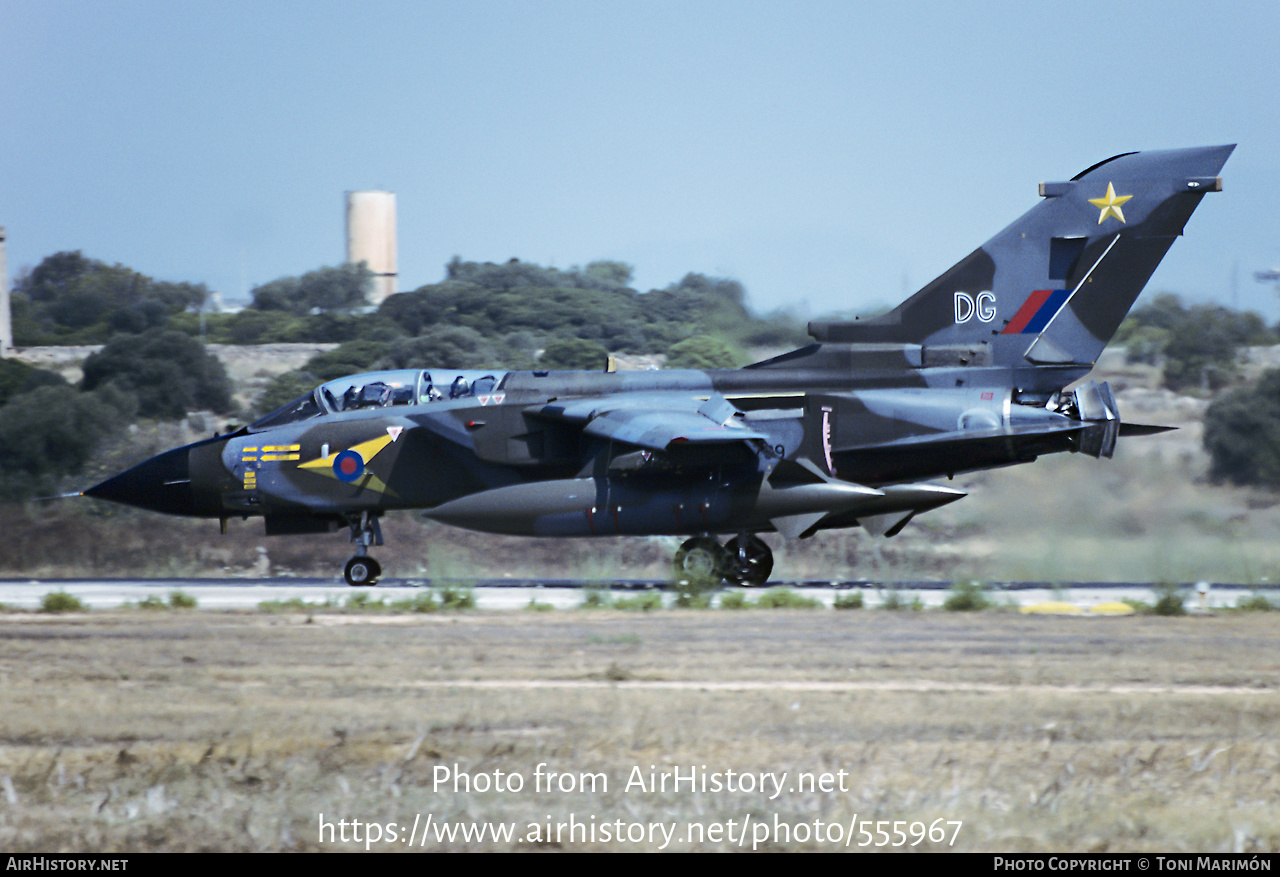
(130, 732)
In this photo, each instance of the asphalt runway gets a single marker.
(247, 593)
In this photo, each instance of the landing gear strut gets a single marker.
(743, 560)
(362, 569)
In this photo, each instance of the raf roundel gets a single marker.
(348, 466)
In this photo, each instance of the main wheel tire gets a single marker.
(362, 571)
(700, 561)
(750, 565)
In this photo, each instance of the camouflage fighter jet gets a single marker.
(969, 373)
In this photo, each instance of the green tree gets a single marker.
(50, 433)
(333, 326)
(577, 354)
(345, 359)
(451, 347)
(603, 275)
(1198, 346)
(701, 352)
(18, 377)
(169, 372)
(283, 389)
(1242, 433)
(1164, 311)
(710, 302)
(615, 274)
(595, 303)
(342, 288)
(69, 298)
(251, 326)
(1204, 349)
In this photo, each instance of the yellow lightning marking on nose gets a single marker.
(367, 451)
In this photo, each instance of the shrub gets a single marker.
(702, 351)
(786, 598)
(691, 599)
(1255, 603)
(341, 288)
(896, 601)
(419, 604)
(1241, 432)
(179, 600)
(734, 600)
(645, 602)
(456, 597)
(594, 598)
(1170, 600)
(51, 432)
(168, 372)
(17, 377)
(849, 600)
(967, 596)
(61, 601)
(617, 673)
(295, 604)
(578, 354)
(363, 601)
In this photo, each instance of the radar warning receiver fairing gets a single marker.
(971, 372)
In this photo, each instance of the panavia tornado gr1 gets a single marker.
(981, 368)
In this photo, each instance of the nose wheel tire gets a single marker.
(362, 571)
(750, 561)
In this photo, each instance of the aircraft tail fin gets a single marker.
(1053, 287)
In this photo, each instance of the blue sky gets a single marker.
(828, 155)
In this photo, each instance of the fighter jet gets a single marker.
(981, 368)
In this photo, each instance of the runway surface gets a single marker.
(246, 593)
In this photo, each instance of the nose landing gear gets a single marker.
(363, 570)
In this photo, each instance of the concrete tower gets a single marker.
(371, 238)
(6, 323)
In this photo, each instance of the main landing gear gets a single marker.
(362, 569)
(743, 560)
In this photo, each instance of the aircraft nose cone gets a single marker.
(161, 484)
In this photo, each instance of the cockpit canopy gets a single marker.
(382, 389)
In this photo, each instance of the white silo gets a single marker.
(371, 238)
(6, 324)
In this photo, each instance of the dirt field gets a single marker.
(624, 731)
